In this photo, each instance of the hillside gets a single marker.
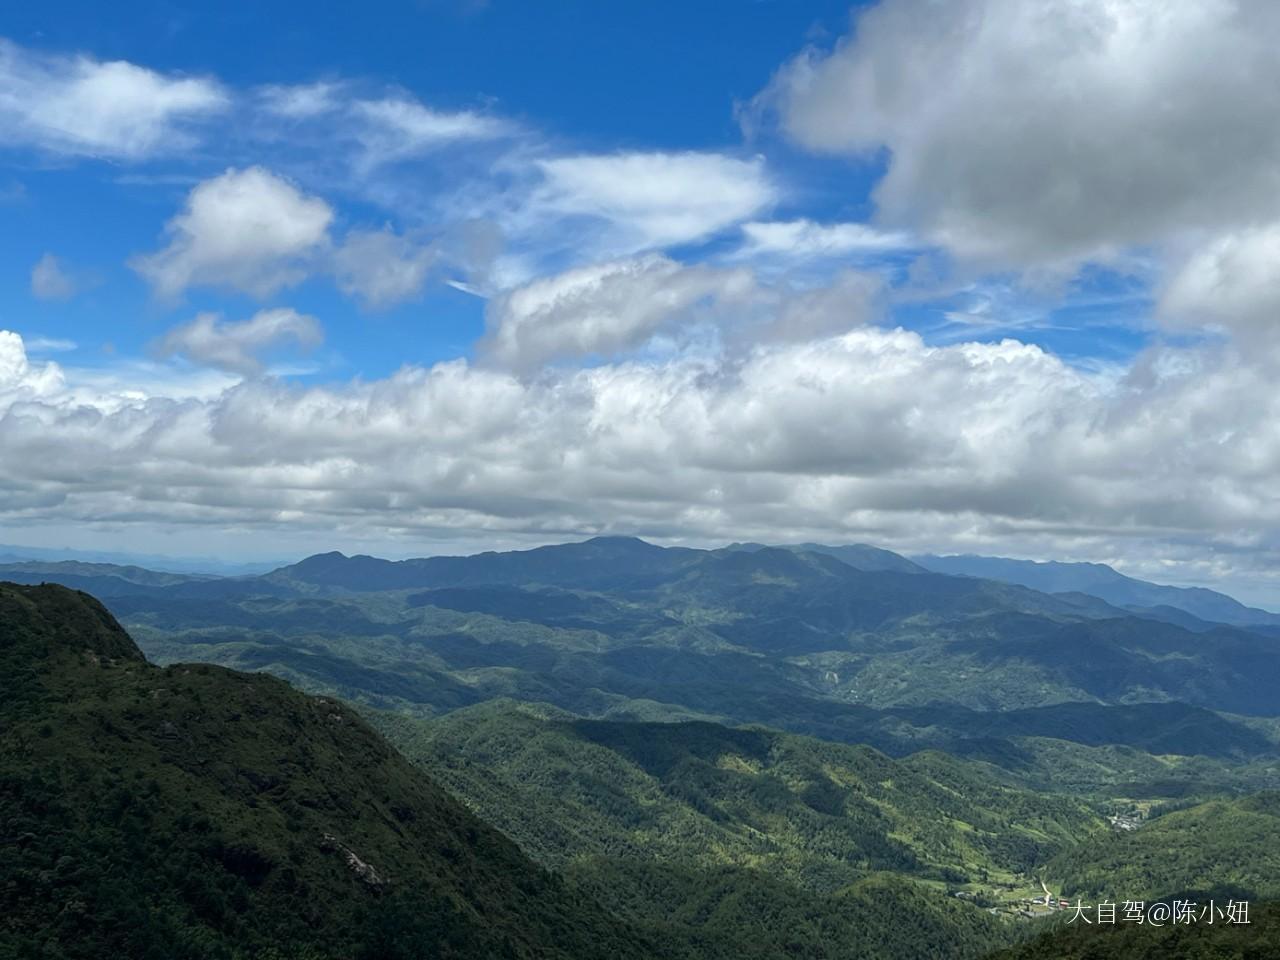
(748, 843)
(715, 828)
(780, 636)
(860, 556)
(1257, 940)
(1220, 848)
(191, 811)
(196, 812)
(820, 815)
(1212, 853)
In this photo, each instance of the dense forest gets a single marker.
(193, 812)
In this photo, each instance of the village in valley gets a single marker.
(1027, 905)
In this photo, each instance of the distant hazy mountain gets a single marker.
(860, 556)
(1100, 580)
(10, 553)
(62, 571)
(600, 562)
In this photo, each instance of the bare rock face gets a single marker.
(367, 872)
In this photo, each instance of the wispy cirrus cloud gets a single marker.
(806, 240)
(650, 200)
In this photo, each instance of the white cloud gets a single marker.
(871, 434)
(82, 106)
(850, 299)
(602, 309)
(1231, 281)
(648, 200)
(19, 378)
(50, 281)
(611, 309)
(1021, 132)
(381, 267)
(238, 347)
(304, 101)
(394, 128)
(247, 230)
(804, 239)
(49, 344)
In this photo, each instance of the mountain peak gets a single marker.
(619, 542)
(46, 618)
(332, 556)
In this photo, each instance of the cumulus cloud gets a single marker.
(871, 430)
(381, 267)
(1023, 132)
(609, 309)
(851, 298)
(81, 106)
(238, 347)
(869, 434)
(602, 309)
(50, 280)
(247, 230)
(651, 200)
(20, 379)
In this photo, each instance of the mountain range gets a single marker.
(614, 749)
(799, 638)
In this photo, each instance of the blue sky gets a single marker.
(422, 277)
(653, 77)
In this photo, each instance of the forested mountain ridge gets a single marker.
(791, 638)
(196, 812)
(816, 814)
(1257, 940)
(659, 819)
